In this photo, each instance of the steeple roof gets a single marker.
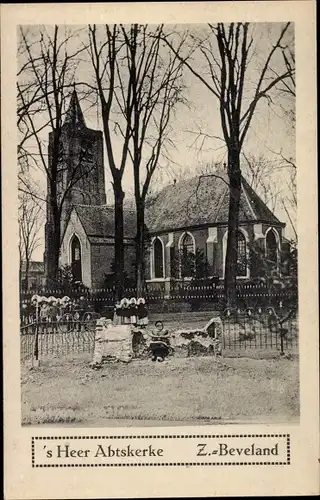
(74, 115)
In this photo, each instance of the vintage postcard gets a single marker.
(159, 187)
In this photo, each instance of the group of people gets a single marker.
(131, 312)
(47, 309)
(52, 309)
(44, 308)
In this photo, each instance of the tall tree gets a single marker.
(106, 52)
(45, 81)
(139, 85)
(228, 51)
(156, 89)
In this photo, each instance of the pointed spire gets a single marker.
(74, 115)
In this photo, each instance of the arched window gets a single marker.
(271, 247)
(187, 255)
(76, 258)
(158, 258)
(242, 255)
(187, 245)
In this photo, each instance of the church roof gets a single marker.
(74, 115)
(203, 200)
(198, 201)
(98, 221)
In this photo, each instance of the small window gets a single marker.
(76, 258)
(187, 256)
(158, 258)
(271, 247)
(242, 255)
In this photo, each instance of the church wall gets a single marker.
(165, 239)
(216, 249)
(75, 227)
(101, 260)
(256, 237)
(147, 264)
(200, 236)
(129, 260)
(212, 246)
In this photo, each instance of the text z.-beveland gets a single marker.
(223, 449)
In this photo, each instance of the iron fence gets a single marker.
(267, 329)
(52, 341)
(242, 330)
(181, 295)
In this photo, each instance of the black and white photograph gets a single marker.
(158, 239)
(160, 257)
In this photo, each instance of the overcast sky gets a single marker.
(270, 131)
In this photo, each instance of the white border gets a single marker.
(302, 476)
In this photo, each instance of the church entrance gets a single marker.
(76, 259)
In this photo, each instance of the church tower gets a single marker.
(80, 173)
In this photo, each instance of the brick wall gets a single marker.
(129, 260)
(102, 258)
(101, 262)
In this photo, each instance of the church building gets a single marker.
(183, 219)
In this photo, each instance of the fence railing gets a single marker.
(40, 342)
(260, 329)
(242, 330)
(196, 296)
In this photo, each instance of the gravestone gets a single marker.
(113, 342)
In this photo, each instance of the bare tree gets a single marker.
(275, 181)
(30, 218)
(106, 56)
(45, 81)
(138, 90)
(228, 51)
(287, 88)
(263, 174)
(156, 90)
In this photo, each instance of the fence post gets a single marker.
(282, 331)
(36, 340)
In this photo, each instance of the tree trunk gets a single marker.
(26, 282)
(230, 277)
(140, 250)
(53, 256)
(118, 238)
(20, 269)
(53, 246)
(54, 219)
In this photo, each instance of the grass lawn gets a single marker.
(196, 390)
